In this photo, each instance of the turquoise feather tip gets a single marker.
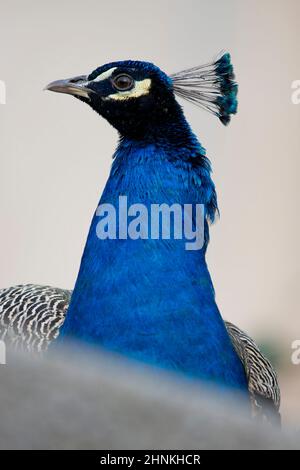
(211, 86)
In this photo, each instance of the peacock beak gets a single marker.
(76, 86)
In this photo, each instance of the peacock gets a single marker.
(147, 297)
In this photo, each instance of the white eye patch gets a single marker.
(140, 88)
(105, 75)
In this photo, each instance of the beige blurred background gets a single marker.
(56, 153)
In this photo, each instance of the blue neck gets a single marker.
(153, 300)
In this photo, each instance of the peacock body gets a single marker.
(149, 298)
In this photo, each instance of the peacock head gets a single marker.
(137, 97)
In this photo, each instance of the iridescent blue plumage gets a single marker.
(152, 300)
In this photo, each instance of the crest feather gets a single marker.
(210, 86)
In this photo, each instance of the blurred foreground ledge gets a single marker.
(85, 399)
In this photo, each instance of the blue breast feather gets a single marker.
(152, 300)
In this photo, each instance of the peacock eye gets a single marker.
(123, 82)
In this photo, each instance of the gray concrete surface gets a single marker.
(75, 399)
